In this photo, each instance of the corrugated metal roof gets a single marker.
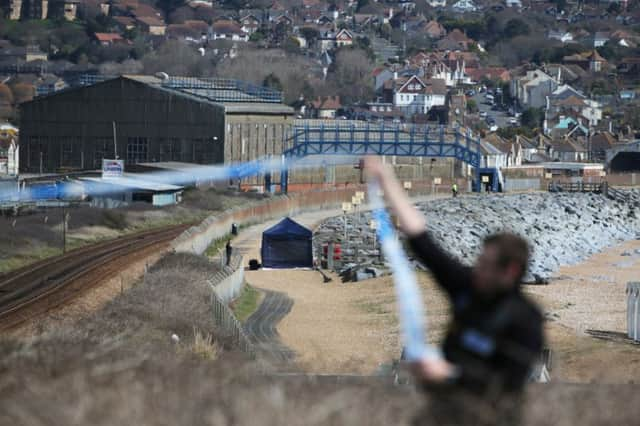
(133, 183)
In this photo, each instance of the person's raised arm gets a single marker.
(412, 222)
(448, 271)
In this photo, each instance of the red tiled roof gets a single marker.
(226, 27)
(329, 102)
(108, 37)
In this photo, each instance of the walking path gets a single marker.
(261, 327)
(331, 327)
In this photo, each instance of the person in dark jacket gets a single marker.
(228, 250)
(496, 333)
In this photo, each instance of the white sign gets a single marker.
(373, 224)
(112, 168)
(548, 176)
(407, 184)
(603, 173)
(346, 207)
(437, 181)
(485, 179)
(355, 200)
(360, 194)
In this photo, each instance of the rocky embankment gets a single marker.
(562, 228)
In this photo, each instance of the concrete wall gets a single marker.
(521, 184)
(197, 238)
(633, 310)
(228, 282)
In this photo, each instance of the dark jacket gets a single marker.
(493, 340)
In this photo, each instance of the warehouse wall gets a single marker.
(73, 130)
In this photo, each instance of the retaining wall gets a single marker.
(226, 285)
(197, 238)
(633, 310)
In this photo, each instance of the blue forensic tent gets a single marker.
(287, 245)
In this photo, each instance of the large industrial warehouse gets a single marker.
(147, 119)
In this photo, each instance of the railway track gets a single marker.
(37, 288)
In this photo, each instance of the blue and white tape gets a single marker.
(410, 304)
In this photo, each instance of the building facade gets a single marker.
(142, 119)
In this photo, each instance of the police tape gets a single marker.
(75, 189)
(411, 313)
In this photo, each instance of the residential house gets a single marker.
(437, 3)
(599, 143)
(434, 29)
(455, 40)
(625, 39)
(529, 149)
(568, 149)
(600, 38)
(415, 96)
(492, 73)
(562, 36)
(491, 157)
(565, 99)
(227, 30)
(152, 25)
(380, 76)
(71, 9)
(457, 105)
(531, 90)
(325, 107)
(344, 38)
(596, 62)
(464, 6)
(249, 24)
(125, 22)
(511, 150)
(9, 150)
(191, 31)
(49, 83)
(108, 39)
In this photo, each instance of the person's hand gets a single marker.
(433, 370)
(374, 167)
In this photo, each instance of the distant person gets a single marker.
(495, 335)
(454, 190)
(228, 250)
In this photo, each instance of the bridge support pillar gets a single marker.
(284, 181)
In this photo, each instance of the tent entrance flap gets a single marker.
(287, 245)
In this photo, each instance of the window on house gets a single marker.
(137, 150)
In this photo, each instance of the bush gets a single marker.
(114, 219)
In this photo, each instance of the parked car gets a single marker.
(493, 128)
(513, 121)
(483, 114)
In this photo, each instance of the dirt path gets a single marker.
(334, 327)
(261, 327)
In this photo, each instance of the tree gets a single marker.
(561, 5)
(614, 8)
(352, 75)
(532, 118)
(472, 105)
(168, 6)
(310, 34)
(515, 27)
(273, 82)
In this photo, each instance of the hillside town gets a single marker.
(319, 212)
(540, 81)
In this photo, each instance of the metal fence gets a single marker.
(229, 276)
(521, 184)
(633, 310)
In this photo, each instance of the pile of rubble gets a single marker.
(562, 228)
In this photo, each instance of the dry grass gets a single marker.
(204, 346)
